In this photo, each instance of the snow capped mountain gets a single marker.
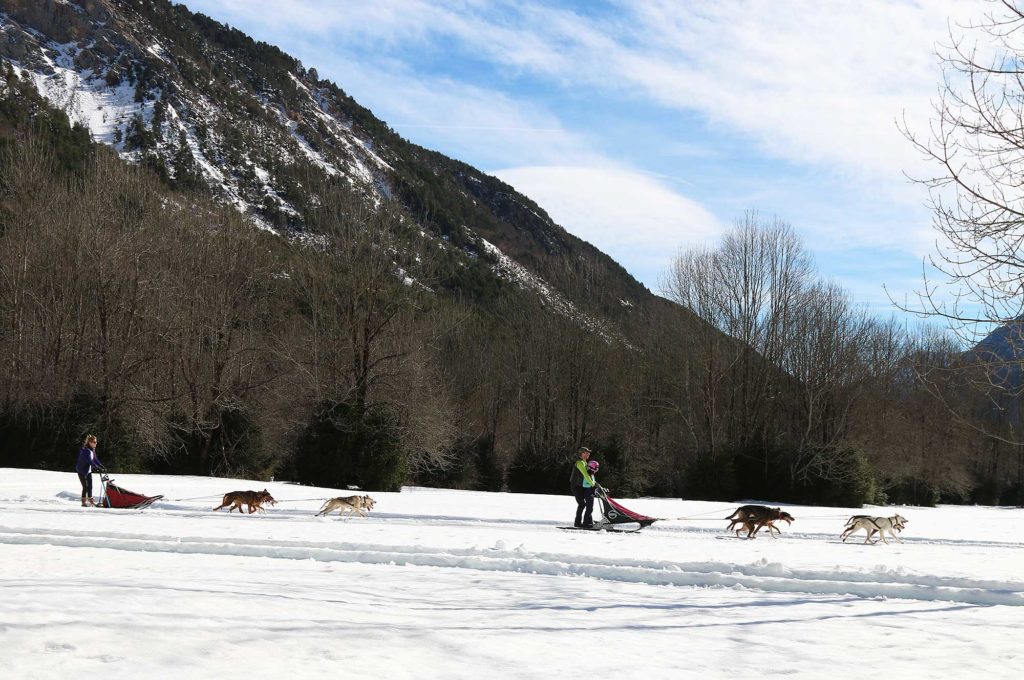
(212, 110)
(148, 95)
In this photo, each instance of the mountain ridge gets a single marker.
(212, 109)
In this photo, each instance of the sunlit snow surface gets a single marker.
(454, 584)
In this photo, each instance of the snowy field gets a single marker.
(456, 584)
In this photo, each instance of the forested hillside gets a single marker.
(221, 264)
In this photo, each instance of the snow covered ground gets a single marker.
(455, 584)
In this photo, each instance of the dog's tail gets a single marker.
(734, 515)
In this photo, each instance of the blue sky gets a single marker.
(647, 127)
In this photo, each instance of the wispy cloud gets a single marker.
(619, 210)
(807, 81)
(815, 86)
(465, 120)
(816, 83)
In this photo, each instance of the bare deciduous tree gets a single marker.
(359, 285)
(976, 278)
(974, 284)
(746, 290)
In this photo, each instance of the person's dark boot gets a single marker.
(84, 504)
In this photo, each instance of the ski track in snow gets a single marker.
(764, 576)
(451, 584)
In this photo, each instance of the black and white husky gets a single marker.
(874, 525)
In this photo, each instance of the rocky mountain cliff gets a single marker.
(212, 110)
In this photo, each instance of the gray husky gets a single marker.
(874, 525)
(348, 504)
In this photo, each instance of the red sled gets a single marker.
(616, 516)
(115, 496)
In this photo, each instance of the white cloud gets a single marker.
(806, 81)
(465, 120)
(819, 85)
(816, 83)
(627, 214)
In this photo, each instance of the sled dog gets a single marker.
(751, 526)
(754, 517)
(254, 500)
(874, 525)
(345, 504)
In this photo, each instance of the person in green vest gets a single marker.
(583, 486)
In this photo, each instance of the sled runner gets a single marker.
(115, 496)
(615, 516)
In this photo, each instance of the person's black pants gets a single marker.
(584, 501)
(86, 481)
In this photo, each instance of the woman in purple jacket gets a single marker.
(87, 461)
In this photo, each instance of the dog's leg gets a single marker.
(757, 528)
(744, 524)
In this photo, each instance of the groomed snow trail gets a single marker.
(758, 575)
(446, 584)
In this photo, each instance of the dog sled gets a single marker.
(115, 496)
(615, 516)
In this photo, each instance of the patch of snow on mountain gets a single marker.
(510, 270)
(210, 171)
(157, 51)
(342, 132)
(84, 96)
